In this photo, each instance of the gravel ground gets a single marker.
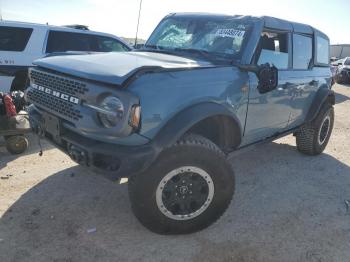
(287, 207)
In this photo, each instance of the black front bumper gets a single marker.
(112, 160)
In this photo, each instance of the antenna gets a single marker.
(138, 22)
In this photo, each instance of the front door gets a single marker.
(269, 113)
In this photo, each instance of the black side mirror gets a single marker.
(268, 78)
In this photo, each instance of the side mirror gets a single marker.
(268, 78)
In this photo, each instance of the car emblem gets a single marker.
(60, 95)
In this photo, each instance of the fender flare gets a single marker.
(179, 124)
(323, 95)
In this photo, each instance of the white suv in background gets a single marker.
(22, 43)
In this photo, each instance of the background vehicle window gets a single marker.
(302, 51)
(322, 55)
(14, 38)
(347, 61)
(106, 44)
(274, 49)
(67, 41)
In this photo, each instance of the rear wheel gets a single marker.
(313, 137)
(187, 189)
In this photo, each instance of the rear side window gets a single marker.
(107, 44)
(68, 41)
(302, 51)
(14, 38)
(274, 49)
(322, 52)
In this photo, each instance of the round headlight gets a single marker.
(114, 111)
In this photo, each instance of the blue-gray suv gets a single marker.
(166, 116)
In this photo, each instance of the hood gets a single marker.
(115, 68)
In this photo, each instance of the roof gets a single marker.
(269, 22)
(68, 28)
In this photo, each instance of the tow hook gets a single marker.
(77, 154)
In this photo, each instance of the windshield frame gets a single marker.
(215, 57)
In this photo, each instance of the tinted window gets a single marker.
(322, 55)
(14, 38)
(302, 51)
(274, 49)
(68, 41)
(107, 44)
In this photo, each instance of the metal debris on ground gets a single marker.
(91, 230)
(347, 203)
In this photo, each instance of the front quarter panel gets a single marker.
(163, 95)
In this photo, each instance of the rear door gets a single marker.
(13, 55)
(304, 82)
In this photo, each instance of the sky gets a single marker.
(120, 17)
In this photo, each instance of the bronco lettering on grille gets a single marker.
(57, 94)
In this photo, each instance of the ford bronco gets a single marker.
(166, 116)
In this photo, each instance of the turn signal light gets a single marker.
(135, 116)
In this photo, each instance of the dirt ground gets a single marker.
(287, 207)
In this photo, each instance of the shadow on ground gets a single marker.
(340, 98)
(287, 207)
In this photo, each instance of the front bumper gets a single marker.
(111, 160)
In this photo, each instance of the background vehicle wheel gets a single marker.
(188, 188)
(313, 138)
(16, 144)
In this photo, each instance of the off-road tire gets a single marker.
(308, 137)
(191, 150)
(16, 144)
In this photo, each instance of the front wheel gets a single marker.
(187, 189)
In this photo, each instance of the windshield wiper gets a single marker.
(201, 52)
(151, 47)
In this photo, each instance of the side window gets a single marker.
(14, 38)
(322, 52)
(67, 41)
(302, 51)
(274, 49)
(106, 44)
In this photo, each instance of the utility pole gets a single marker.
(0, 10)
(138, 22)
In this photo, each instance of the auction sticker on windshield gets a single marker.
(230, 33)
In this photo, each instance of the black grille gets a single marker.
(58, 83)
(55, 104)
